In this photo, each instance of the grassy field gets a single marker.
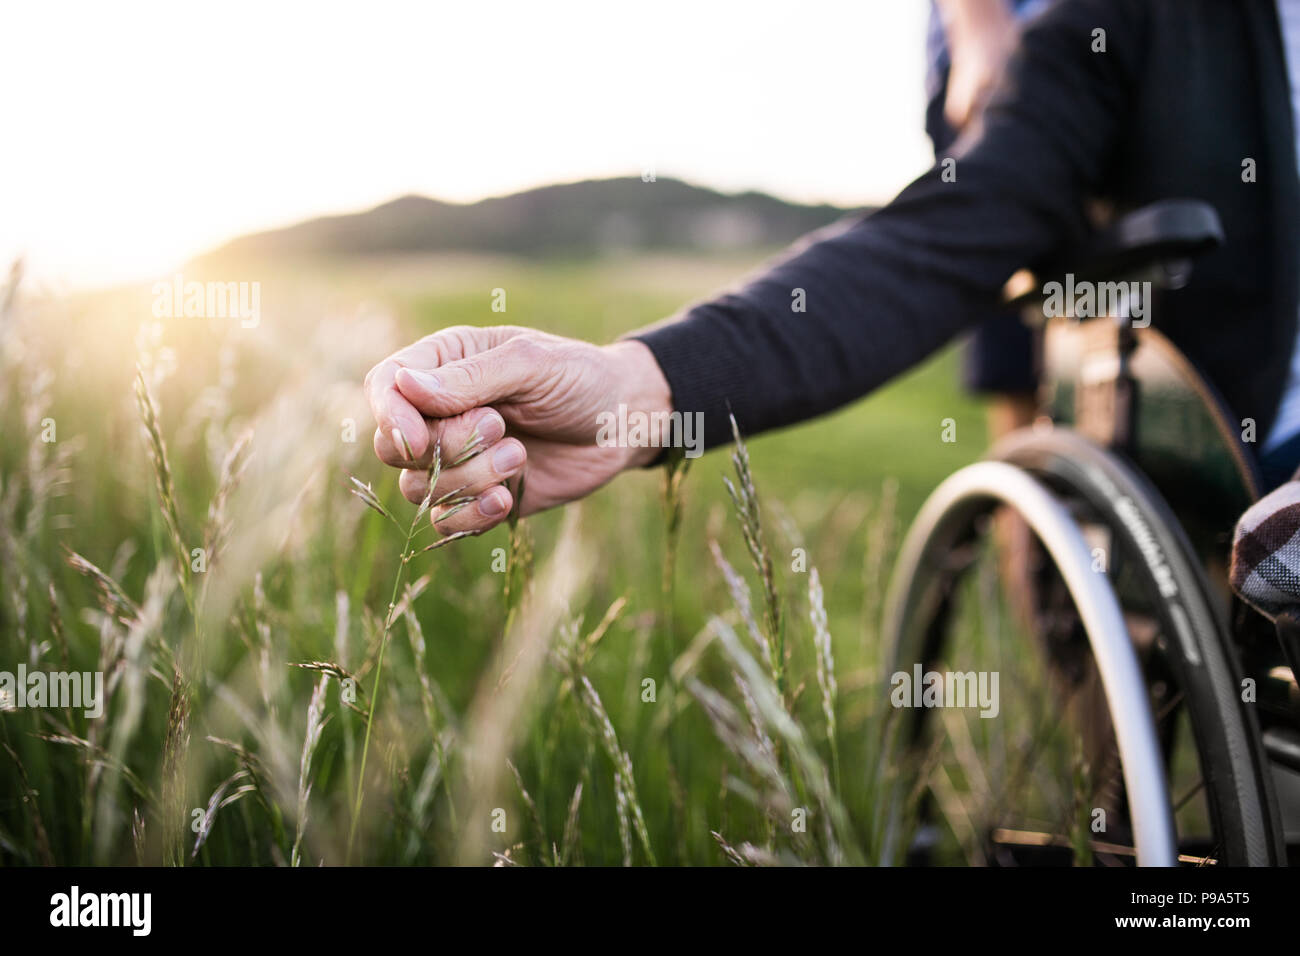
(514, 720)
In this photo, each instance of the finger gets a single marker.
(452, 437)
(479, 514)
(413, 483)
(394, 414)
(472, 477)
(405, 437)
(503, 374)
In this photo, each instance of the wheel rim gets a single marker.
(945, 521)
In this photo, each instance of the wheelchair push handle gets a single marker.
(1155, 242)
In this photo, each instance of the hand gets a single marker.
(981, 36)
(503, 400)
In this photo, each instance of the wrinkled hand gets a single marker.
(501, 400)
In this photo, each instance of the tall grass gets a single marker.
(262, 706)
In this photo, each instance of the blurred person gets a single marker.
(968, 44)
(1128, 100)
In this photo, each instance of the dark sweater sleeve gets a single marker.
(883, 292)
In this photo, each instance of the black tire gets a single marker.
(1237, 786)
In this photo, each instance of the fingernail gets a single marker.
(491, 426)
(507, 458)
(399, 440)
(492, 504)
(424, 379)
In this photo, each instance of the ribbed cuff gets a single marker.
(702, 378)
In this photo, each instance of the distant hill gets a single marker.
(584, 218)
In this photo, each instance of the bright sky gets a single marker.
(139, 134)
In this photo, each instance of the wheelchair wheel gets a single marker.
(1120, 737)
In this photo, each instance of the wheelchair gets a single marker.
(1147, 717)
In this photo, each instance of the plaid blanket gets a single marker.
(1265, 568)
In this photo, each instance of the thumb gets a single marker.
(500, 374)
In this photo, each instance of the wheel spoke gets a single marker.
(1193, 791)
